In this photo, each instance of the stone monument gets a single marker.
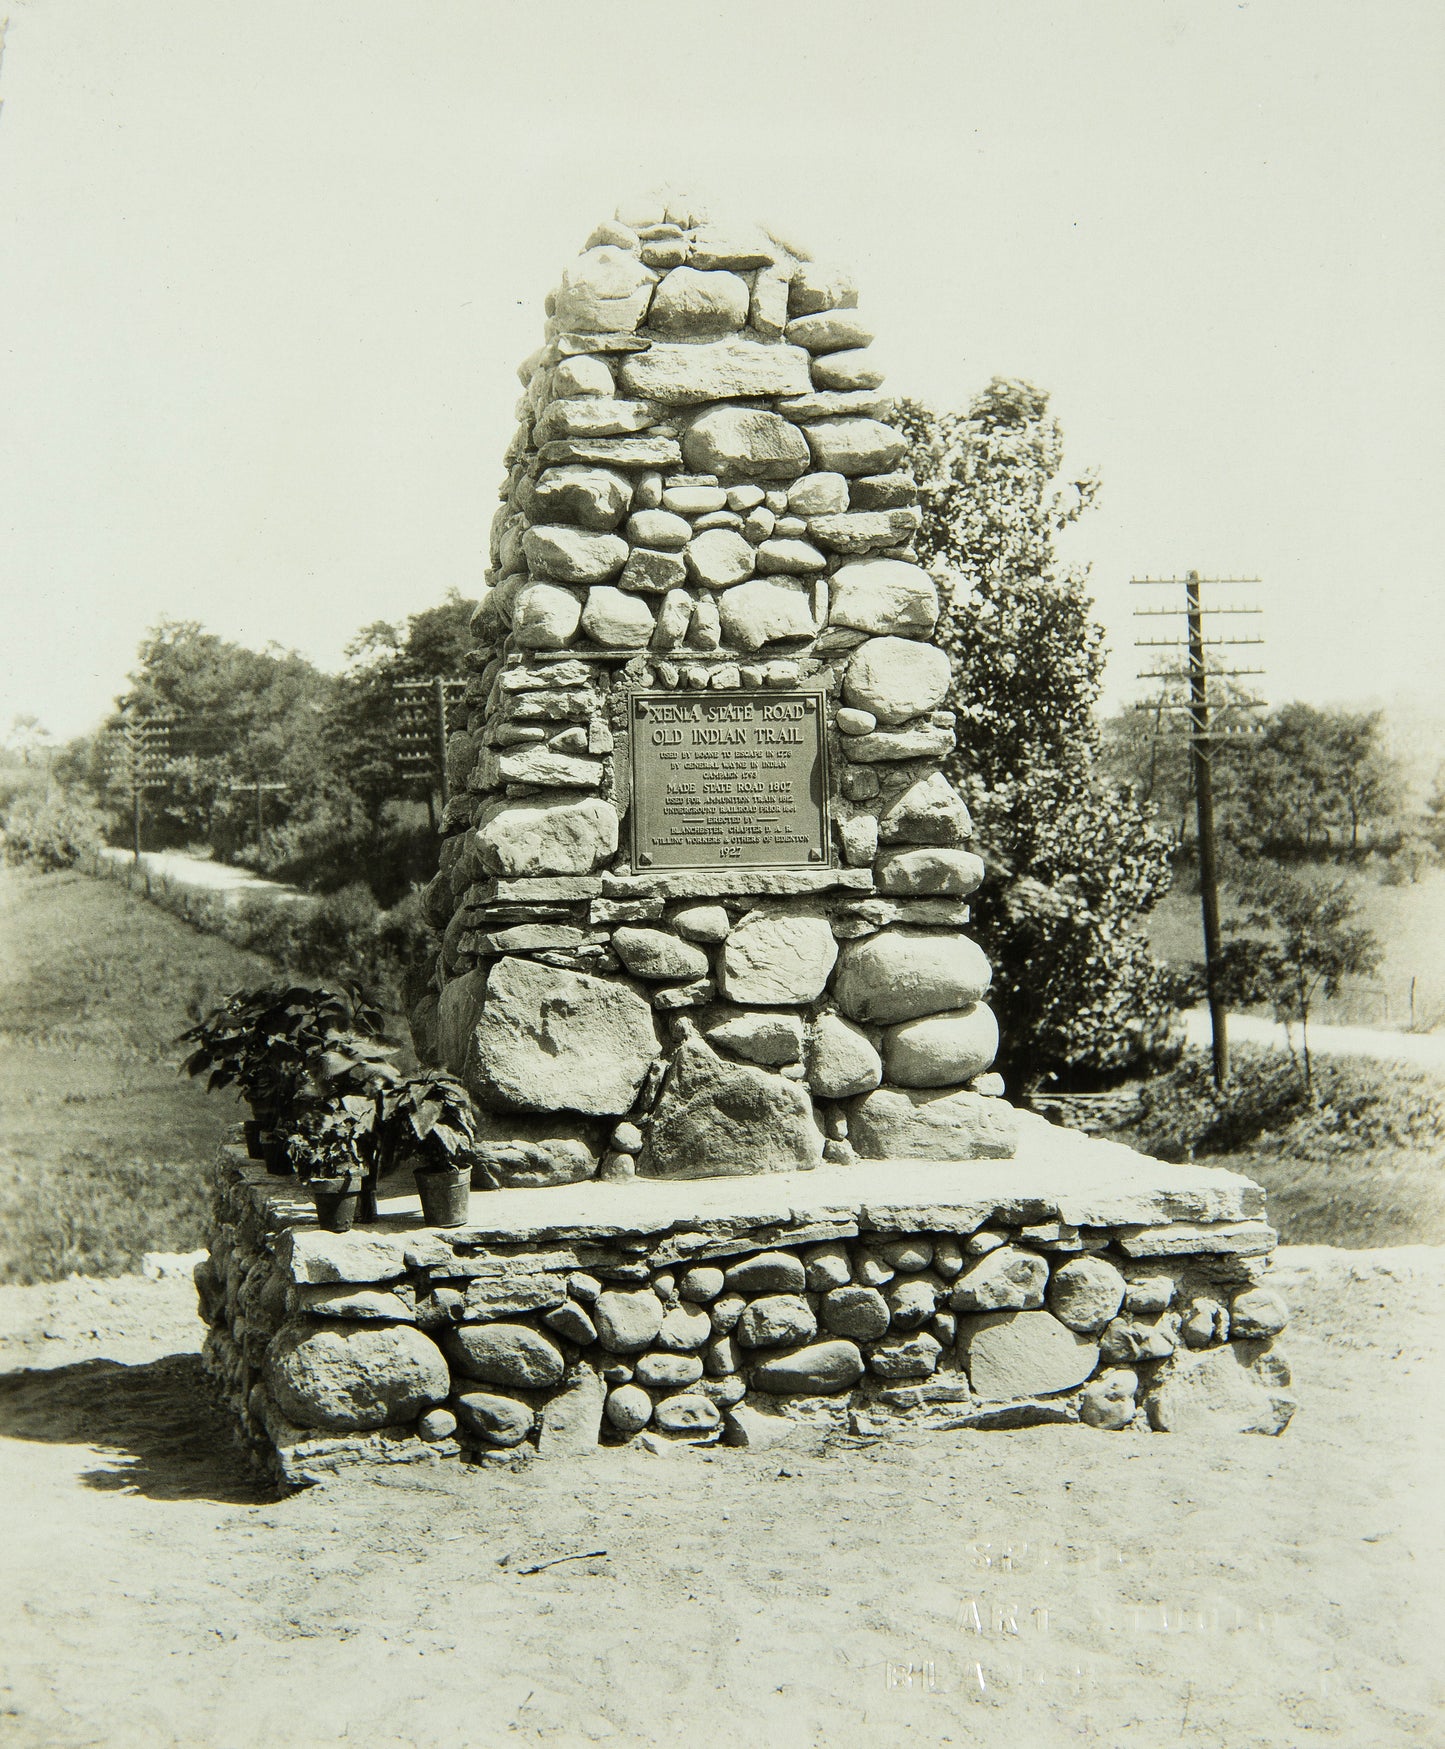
(704, 964)
(705, 885)
(704, 874)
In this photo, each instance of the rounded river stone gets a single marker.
(821, 1369)
(350, 1378)
(505, 1354)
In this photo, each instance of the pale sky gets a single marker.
(266, 272)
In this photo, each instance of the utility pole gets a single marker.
(140, 752)
(1201, 740)
(424, 712)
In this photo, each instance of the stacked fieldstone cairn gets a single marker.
(744, 1167)
(704, 496)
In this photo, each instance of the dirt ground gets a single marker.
(1040, 1587)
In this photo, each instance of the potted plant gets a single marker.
(324, 1148)
(231, 1050)
(427, 1120)
(268, 1043)
(358, 1069)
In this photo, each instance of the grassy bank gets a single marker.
(1388, 1197)
(100, 1139)
(1358, 1161)
(1409, 921)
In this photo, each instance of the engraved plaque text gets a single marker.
(728, 780)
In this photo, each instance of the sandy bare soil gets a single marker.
(1049, 1586)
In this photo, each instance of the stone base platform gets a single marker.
(1077, 1282)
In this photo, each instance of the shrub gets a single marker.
(268, 926)
(1312, 943)
(1359, 1106)
(343, 935)
(338, 930)
(50, 832)
(1074, 863)
(405, 947)
(1409, 864)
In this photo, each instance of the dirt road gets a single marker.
(1425, 1049)
(175, 868)
(1049, 1586)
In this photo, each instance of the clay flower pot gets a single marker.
(336, 1200)
(445, 1193)
(274, 1153)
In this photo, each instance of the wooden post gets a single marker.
(1200, 763)
(1204, 808)
(441, 691)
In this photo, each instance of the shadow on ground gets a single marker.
(163, 1434)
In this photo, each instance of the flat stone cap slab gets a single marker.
(1057, 1175)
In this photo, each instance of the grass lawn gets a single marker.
(100, 1139)
(1393, 1197)
(1409, 920)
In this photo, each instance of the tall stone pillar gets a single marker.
(704, 885)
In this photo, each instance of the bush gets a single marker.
(406, 947)
(339, 931)
(1359, 1107)
(1409, 864)
(267, 925)
(343, 935)
(49, 832)
(332, 847)
(1074, 863)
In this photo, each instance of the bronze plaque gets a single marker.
(728, 780)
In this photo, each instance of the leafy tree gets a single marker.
(1368, 778)
(238, 715)
(28, 738)
(1146, 745)
(1314, 781)
(1074, 862)
(1313, 944)
(431, 645)
(1434, 826)
(49, 831)
(438, 638)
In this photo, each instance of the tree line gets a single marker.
(1298, 783)
(333, 807)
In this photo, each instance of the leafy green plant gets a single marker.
(325, 1143)
(1315, 782)
(49, 831)
(1074, 863)
(335, 811)
(1314, 944)
(271, 1043)
(1359, 1107)
(430, 1115)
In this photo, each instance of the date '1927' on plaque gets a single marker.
(729, 780)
